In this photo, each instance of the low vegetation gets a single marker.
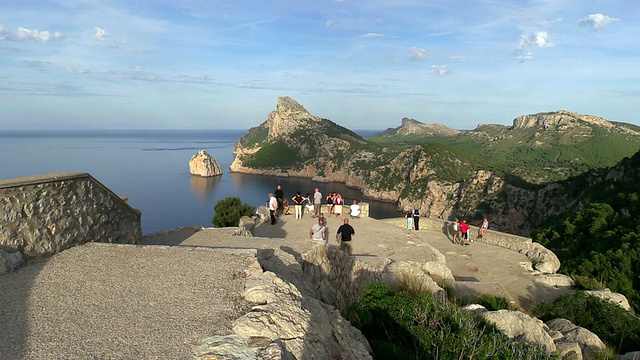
(534, 155)
(399, 325)
(616, 327)
(229, 210)
(600, 247)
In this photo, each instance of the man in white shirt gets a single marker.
(273, 206)
(355, 209)
(317, 202)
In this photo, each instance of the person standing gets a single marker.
(280, 198)
(464, 228)
(409, 217)
(337, 205)
(317, 202)
(319, 231)
(297, 204)
(456, 232)
(344, 236)
(329, 204)
(416, 218)
(273, 207)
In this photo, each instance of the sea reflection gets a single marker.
(204, 187)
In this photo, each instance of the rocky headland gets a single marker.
(440, 181)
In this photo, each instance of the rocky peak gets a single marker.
(413, 126)
(203, 164)
(560, 117)
(288, 117)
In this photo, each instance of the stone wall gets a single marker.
(544, 259)
(46, 214)
(346, 210)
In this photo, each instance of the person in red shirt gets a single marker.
(464, 228)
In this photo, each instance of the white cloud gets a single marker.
(75, 70)
(418, 54)
(597, 21)
(330, 23)
(539, 39)
(440, 70)
(372, 35)
(24, 34)
(101, 34)
(524, 57)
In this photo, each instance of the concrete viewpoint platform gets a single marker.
(154, 301)
(479, 268)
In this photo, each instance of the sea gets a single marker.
(151, 168)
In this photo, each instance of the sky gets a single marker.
(209, 64)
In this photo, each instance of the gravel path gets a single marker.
(120, 302)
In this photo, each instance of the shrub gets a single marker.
(229, 210)
(493, 303)
(401, 326)
(613, 324)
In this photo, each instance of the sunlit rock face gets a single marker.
(203, 164)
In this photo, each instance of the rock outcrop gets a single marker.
(412, 126)
(203, 164)
(589, 343)
(557, 118)
(522, 327)
(10, 261)
(286, 324)
(610, 296)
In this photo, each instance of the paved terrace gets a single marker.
(120, 301)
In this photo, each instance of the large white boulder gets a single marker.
(522, 327)
(203, 164)
(615, 298)
(589, 343)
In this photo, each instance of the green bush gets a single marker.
(401, 326)
(229, 210)
(614, 325)
(493, 303)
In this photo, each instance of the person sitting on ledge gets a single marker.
(355, 209)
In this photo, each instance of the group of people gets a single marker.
(344, 235)
(461, 231)
(279, 205)
(413, 219)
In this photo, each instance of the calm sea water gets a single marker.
(152, 169)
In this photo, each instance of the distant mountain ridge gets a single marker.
(470, 174)
(412, 126)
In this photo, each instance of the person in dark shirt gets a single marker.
(344, 235)
(280, 198)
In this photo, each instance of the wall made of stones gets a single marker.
(546, 261)
(45, 215)
(346, 209)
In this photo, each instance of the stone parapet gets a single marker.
(346, 210)
(43, 215)
(544, 259)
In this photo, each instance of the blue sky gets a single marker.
(121, 64)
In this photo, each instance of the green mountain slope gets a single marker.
(557, 146)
